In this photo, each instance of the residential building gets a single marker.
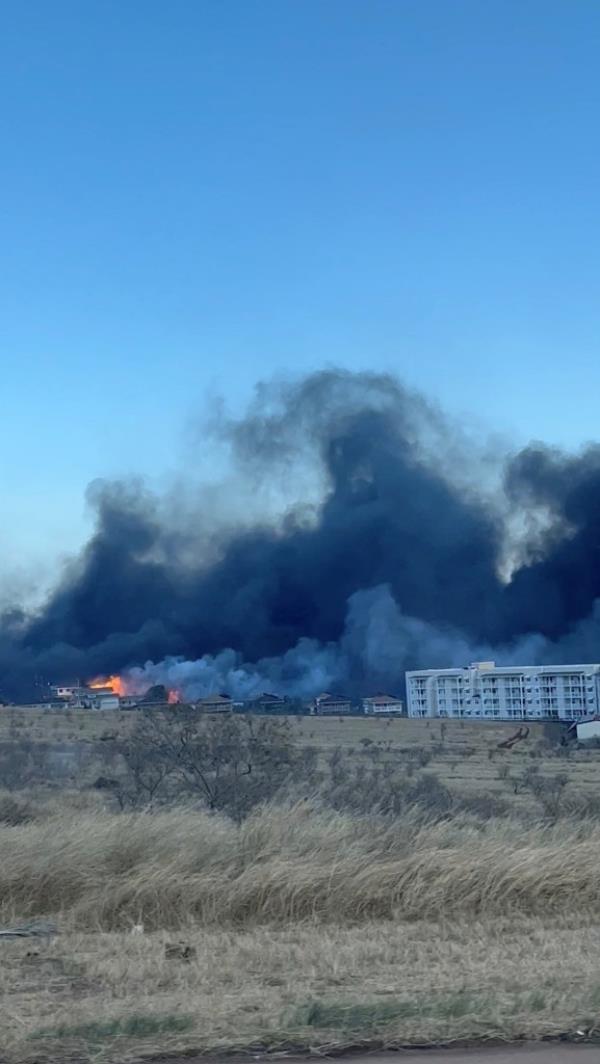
(215, 704)
(106, 702)
(80, 696)
(66, 692)
(486, 691)
(268, 703)
(381, 705)
(98, 698)
(333, 705)
(317, 700)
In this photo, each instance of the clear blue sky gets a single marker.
(199, 193)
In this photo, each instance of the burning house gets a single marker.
(96, 694)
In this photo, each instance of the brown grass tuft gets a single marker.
(289, 864)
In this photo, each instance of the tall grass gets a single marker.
(287, 864)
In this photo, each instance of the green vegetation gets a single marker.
(124, 1027)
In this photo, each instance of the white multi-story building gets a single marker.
(486, 691)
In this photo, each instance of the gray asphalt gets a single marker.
(530, 1053)
(543, 1053)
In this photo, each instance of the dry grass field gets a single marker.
(304, 926)
(299, 928)
(464, 756)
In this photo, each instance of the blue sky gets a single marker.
(201, 193)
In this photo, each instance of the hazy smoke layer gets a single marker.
(386, 536)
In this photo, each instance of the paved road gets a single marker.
(543, 1053)
(533, 1053)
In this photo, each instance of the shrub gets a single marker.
(484, 806)
(123, 1027)
(14, 811)
(229, 763)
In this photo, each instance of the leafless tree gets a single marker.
(229, 762)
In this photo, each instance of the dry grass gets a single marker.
(285, 865)
(116, 996)
(311, 928)
(464, 755)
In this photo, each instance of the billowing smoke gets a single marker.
(357, 534)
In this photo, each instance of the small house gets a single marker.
(332, 705)
(382, 705)
(215, 704)
(65, 692)
(268, 703)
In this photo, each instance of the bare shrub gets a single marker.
(532, 779)
(15, 811)
(548, 790)
(421, 755)
(484, 806)
(430, 794)
(23, 762)
(228, 763)
(580, 804)
(381, 788)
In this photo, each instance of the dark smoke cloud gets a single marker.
(386, 537)
(560, 584)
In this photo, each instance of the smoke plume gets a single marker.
(357, 534)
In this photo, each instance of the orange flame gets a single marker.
(114, 682)
(120, 687)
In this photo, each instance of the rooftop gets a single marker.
(488, 666)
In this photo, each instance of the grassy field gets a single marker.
(305, 926)
(300, 928)
(464, 756)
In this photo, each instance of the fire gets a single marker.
(121, 687)
(114, 682)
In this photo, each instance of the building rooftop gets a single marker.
(489, 666)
